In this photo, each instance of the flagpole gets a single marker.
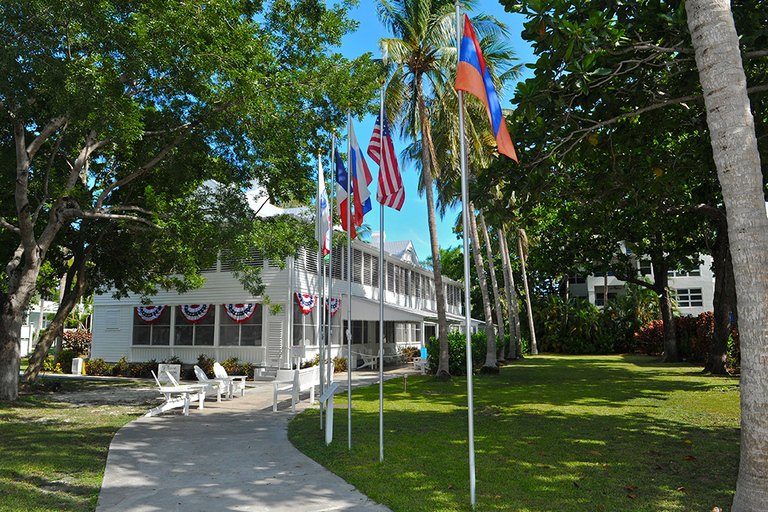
(329, 296)
(467, 313)
(349, 279)
(320, 277)
(381, 299)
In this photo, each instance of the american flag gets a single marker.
(391, 191)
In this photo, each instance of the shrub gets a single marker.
(206, 364)
(97, 367)
(234, 367)
(142, 370)
(650, 338)
(457, 353)
(409, 353)
(78, 341)
(65, 358)
(339, 363)
(122, 368)
(51, 366)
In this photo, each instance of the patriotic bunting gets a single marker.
(195, 312)
(149, 313)
(335, 305)
(306, 302)
(240, 313)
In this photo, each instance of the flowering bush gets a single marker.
(650, 338)
(78, 341)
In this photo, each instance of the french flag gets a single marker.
(361, 178)
(474, 78)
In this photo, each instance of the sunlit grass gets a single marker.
(551, 433)
(53, 454)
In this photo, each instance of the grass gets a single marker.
(53, 454)
(565, 433)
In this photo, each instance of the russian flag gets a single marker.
(361, 178)
(474, 78)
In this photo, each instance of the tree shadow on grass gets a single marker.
(568, 438)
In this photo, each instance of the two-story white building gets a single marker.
(222, 320)
(692, 291)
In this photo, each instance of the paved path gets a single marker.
(233, 455)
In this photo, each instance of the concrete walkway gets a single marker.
(233, 455)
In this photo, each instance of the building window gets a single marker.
(577, 280)
(244, 334)
(158, 332)
(199, 333)
(305, 325)
(599, 298)
(683, 273)
(644, 266)
(689, 297)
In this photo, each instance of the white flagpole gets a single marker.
(320, 291)
(329, 329)
(381, 296)
(467, 313)
(349, 280)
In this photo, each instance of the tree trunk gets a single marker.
(495, 286)
(490, 365)
(515, 345)
(661, 287)
(737, 159)
(70, 296)
(443, 371)
(724, 302)
(534, 348)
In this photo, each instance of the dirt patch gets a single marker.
(94, 395)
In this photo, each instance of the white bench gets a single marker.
(184, 394)
(370, 354)
(293, 382)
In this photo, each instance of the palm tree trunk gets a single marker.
(534, 348)
(515, 344)
(490, 365)
(495, 287)
(443, 372)
(734, 146)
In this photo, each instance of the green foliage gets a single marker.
(65, 358)
(79, 341)
(50, 366)
(234, 367)
(122, 368)
(339, 363)
(457, 353)
(693, 333)
(97, 367)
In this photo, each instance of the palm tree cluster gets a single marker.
(422, 61)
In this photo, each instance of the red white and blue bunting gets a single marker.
(306, 302)
(335, 305)
(240, 313)
(195, 312)
(149, 313)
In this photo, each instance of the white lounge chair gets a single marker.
(234, 382)
(212, 384)
(177, 396)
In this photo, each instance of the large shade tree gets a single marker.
(116, 111)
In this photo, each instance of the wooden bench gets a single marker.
(293, 382)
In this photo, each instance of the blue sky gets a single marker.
(411, 222)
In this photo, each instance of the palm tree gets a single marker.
(424, 34)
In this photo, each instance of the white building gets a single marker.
(214, 319)
(692, 291)
(32, 324)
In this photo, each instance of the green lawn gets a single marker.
(52, 454)
(552, 433)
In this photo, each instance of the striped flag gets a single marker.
(341, 193)
(361, 178)
(391, 191)
(474, 78)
